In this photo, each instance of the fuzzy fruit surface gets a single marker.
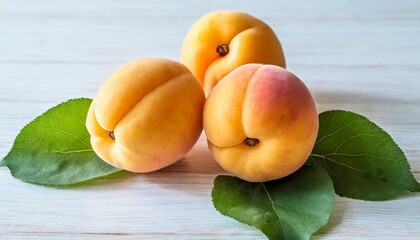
(261, 122)
(221, 41)
(146, 115)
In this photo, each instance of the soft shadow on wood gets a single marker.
(193, 175)
(198, 163)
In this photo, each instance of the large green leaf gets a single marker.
(55, 149)
(293, 207)
(362, 159)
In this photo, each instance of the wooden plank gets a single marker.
(172, 204)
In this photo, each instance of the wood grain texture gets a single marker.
(356, 55)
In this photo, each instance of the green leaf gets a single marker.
(54, 149)
(293, 207)
(361, 158)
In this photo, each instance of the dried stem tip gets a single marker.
(222, 50)
(251, 142)
(111, 135)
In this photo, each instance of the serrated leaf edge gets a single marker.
(3, 162)
(308, 236)
(415, 188)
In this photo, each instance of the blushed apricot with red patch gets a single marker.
(261, 122)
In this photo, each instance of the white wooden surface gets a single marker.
(357, 55)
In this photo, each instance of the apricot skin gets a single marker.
(146, 115)
(267, 103)
(248, 39)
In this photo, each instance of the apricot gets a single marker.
(221, 41)
(261, 122)
(146, 115)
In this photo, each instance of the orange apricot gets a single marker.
(221, 41)
(146, 115)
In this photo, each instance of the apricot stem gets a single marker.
(251, 142)
(111, 135)
(222, 50)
